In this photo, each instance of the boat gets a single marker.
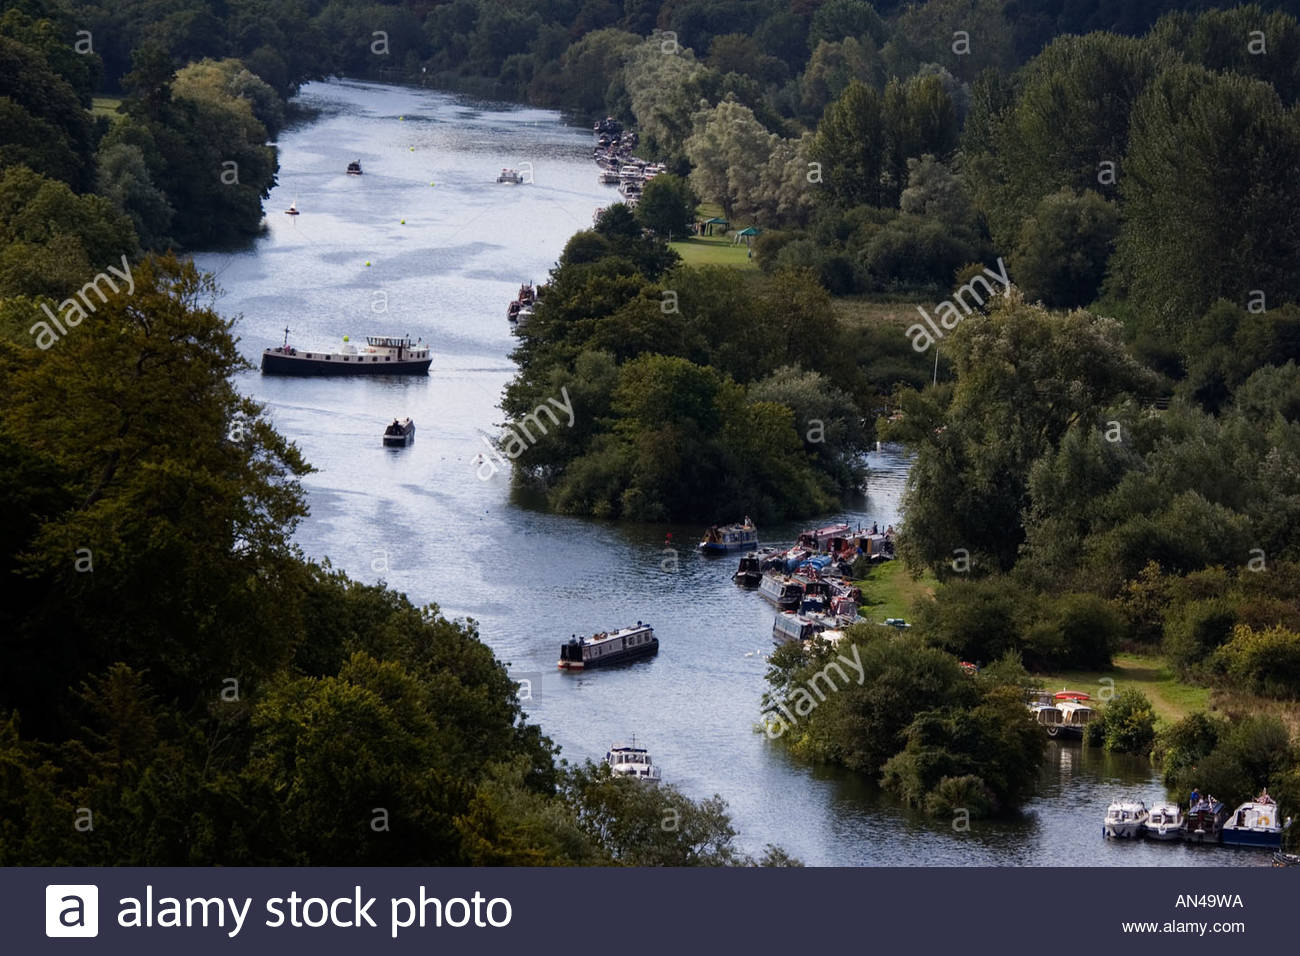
(1286, 859)
(1075, 712)
(609, 178)
(1165, 822)
(381, 355)
(510, 176)
(1125, 819)
(1204, 821)
(608, 125)
(354, 168)
(521, 309)
(400, 433)
(293, 209)
(750, 572)
(1043, 711)
(783, 591)
(629, 760)
(609, 647)
(731, 537)
(818, 541)
(1255, 823)
(790, 626)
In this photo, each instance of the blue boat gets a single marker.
(730, 537)
(1255, 823)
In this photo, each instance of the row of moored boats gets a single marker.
(1256, 823)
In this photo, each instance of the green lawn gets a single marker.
(713, 251)
(1152, 675)
(890, 591)
(105, 106)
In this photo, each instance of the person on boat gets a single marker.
(1195, 797)
(1264, 797)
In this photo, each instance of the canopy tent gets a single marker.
(706, 227)
(747, 234)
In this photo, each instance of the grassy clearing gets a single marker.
(105, 106)
(1172, 698)
(713, 251)
(890, 591)
(856, 311)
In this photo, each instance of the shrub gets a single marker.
(1127, 725)
(1265, 661)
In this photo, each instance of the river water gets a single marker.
(426, 243)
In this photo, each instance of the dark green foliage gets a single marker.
(667, 206)
(1126, 725)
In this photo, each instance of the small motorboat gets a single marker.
(1075, 712)
(1164, 823)
(510, 176)
(1256, 823)
(629, 760)
(1125, 819)
(1043, 710)
(609, 178)
(354, 168)
(399, 434)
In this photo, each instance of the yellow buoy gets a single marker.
(403, 222)
(367, 262)
(412, 149)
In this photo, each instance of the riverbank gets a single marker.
(1172, 699)
(890, 590)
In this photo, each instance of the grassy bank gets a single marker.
(890, 591)
(1172, 698)
(105, 106)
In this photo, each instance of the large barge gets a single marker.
(381, 355)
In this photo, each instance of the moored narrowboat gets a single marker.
(731, 537)
(400, 433)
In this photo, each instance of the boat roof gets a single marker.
(1071, 695)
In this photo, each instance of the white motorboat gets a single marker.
(629, 760)
(1164, 823)
(510, 176)
(1075, 711)
(1125, 819)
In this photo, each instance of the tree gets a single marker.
(1192, 234)
(1064, 247)
(667, 206)
(848, 144)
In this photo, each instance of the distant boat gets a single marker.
(609, 647)
(629, 760)
(1075, 712)
(381, 355)
(1125, 819)
(293, 209)
(400, 433)
(354, 168)
(510, 176)
(731, 537)
(1255, 823)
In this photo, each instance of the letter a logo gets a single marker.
(71, 910)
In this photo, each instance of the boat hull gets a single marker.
(646, 649)
(1123, 831)
(1271, 839)
(278, 363)
(1170, 833)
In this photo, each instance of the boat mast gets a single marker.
(286, 336)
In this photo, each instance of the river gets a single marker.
(426, 242)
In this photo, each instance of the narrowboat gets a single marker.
(399, 434)
(609, 647)
(1255, 823)
(1165, 822)
(1204, 821)
(730, 537)
(629, 760)
(820, 539)
(750, 572)
(381, 355)
(782, 591)
(1125, 819)
(790, 626)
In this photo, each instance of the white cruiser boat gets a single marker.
(629, 760)
(1255, 823)
(1075, 712)
(609, 647)
(510, 176)
(381, 355)
(1164, 823)
(1125, 819)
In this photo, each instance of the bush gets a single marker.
(1195, 629)
(1265, 662)
(1127, 725)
